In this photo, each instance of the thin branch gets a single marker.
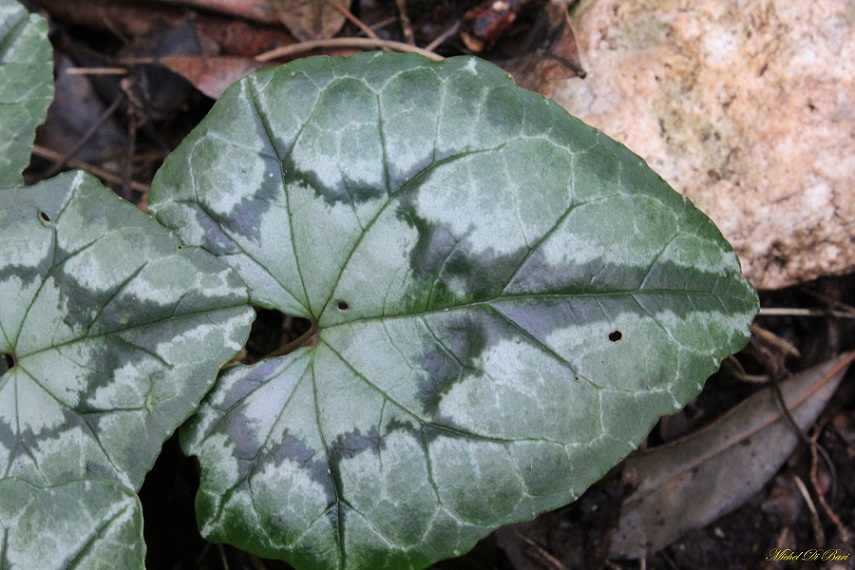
(784, 312)
(57, 166)
(96, 71)
(829, 300)
(383, 23)
(817, 452)
(224, 560)
(554, 562)
(771, 338)
(406, 26)
(104, 175)
(440, 39)
(305, 339)
(352, 19)
(359, 43)
(819, 535)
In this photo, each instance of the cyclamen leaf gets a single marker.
(110, 334)
(114, 332)
(506, 300)
(26, 89)
(80, 524)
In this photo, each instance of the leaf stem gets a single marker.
(307, 338)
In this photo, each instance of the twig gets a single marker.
(224, 560)
(104, 175)
(352, 19)
(96, 71)
(819, 535)
(128, 171)
(406, 26)
(108, 24)
(816, 448)
(771, 338)
(668, 560)
(784, 312)
(735, 367)
(826, 299)
(542, 552)
(303, 340)
(138, 60)
(90, 132)
(383, 23)
(786, 411)
(440, 39)
(360, 43)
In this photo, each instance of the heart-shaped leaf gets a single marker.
(26, 89)
(505, 301)
(111, 332)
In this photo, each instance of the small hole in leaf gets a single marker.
(44, 217)
(615, 336)
(8, 360)
(343, 306)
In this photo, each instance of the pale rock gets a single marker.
(745, 106)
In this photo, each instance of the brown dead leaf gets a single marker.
(305, 19)
(211, 75)
(310, 19)
(258, 10)
(233, 36)
(486, 23)
(544, 52)
(693, 481)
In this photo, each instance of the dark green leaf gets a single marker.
(506, 300)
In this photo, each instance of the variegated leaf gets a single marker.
(111, 331)
(26, 86)
(82, 524)
(505, 299)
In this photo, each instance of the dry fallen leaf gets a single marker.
(258, 10)
(310, 19)
(483, 25)
(211, 74)
(693, 481)
(544, 52)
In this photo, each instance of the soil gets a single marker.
(134, 139)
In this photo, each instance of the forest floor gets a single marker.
(120, 124)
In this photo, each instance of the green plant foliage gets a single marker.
(26, 67)
(114, 331)
(505, 301)
(111, 331)
(80, 524)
